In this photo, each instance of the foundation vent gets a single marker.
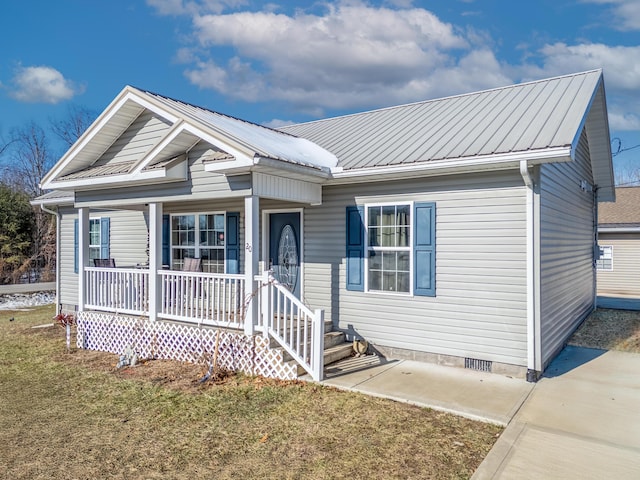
(479, 365)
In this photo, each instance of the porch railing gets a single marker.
(213, 299)
(296, 328)
(123, 290)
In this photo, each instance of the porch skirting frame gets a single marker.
(252, 355)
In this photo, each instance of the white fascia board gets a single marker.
(110, 180)
(485, 162)
(311, 173)
(126, 95)
(171, 134)
(54, 201)
(240, 156)
(618, 229)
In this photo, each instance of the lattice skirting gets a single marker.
(113, 333)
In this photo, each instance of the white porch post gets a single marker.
(83, 254)
(251, 257)
(155, 259)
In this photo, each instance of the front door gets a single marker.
(284, 249)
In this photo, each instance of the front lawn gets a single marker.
(75, 416)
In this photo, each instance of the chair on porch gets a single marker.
(192, 265)
(104, 262)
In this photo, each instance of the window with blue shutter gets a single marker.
(233, 243)
(355, 248)
(166, 241)
(424, 249)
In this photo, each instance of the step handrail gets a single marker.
(294, 326)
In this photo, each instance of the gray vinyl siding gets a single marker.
(199, 185)
(68, 294)
(480, 306)
(134, 143)
(624, 279)
(127, 245)
(566, 249)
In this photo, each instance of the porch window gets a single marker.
(94, 239)
(199, 236)
(605, 262)
(389, 254)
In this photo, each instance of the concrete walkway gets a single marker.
(476, 395)
(580, 421)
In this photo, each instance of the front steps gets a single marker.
(335, 348)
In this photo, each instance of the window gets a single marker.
(388, 248)
(391, 248)
(94, 239)
(605, 261)
(199, 236)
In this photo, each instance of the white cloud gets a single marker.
(626, 13)
(193, 7)
(42, 84)
(352, 55)
(623, 121)
(277, 123)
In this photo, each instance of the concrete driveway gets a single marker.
(581, 421)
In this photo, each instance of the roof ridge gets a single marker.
(199, 107)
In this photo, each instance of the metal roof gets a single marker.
(526, 117)
(261, 141)
(624, 211)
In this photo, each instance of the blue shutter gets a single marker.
(166, 236)
(355, 248)
(424, 249)
(104, 237)
(232, 254)
(75, 246)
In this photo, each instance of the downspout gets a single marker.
(532, 374)
(57, 215)
(596, 248)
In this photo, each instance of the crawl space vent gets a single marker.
(479, 365)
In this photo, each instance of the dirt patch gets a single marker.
(180, 376)
(610, 330)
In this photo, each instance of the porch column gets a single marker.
(155, 259)
(83, 254)
(251, 257)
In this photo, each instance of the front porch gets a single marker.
(191, 308)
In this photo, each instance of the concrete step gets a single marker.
(331, 355)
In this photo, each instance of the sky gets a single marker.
(280, 62)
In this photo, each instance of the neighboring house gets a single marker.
(459, 230)
(619, 240)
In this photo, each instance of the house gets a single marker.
(460, 230)
(619, 240)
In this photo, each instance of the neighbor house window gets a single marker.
(199, 236)
(389, 248)
(605, 262)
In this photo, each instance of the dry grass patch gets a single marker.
(76, 416)
(610, 330)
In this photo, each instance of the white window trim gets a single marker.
(605, 269)
(410, 247)
(197, 247)
(99, 245)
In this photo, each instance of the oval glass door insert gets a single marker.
(288, 258)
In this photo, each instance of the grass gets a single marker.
(73, 415)
(610, 330)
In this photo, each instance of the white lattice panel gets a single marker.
(188, 343)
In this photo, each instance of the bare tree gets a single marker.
(29, 158)
(70, 128)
